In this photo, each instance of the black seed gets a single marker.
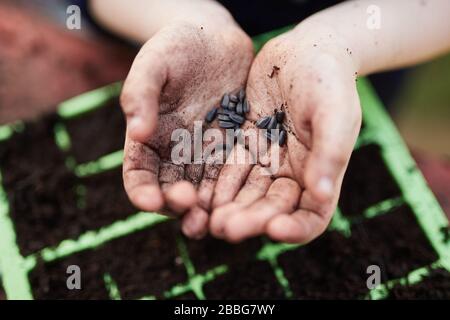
(246, 106)
(232, 106)
(240, 109)
(225, 101)
(283, 137)
(241, 95)
(224, 117)
(225, 111)
(211, 115)
(269, 136)
(280, 116)
(226, 124)
(272, 123)
(263, 122)
(237, 118)
(234, 98)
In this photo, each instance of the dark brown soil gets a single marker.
(334, 267)
(251, 280)
(49, 280)
(435, 286)
(211, 252)
(357, 193)
(45, 201)
(186, 296)
(106, 200)
(98, 133)
(31, 152)
(142, 264)
(2, 292)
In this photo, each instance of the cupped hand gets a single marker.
(314, 84)
(177, 77)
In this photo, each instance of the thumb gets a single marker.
(335, 128)
(141, 92)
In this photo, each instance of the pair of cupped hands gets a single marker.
(183, 71)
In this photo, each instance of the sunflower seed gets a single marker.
(280, 116)
(240, 109)
(246, 106)
(225, 101)
(224, 117)
(272, 123)
(234, 98)
(211, 115)
(226, 124)
(263, 122)
(225, 111)
(241, 95)
(237, 118)
(283, 137)
(232, 106)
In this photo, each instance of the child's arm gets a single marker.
(139, 20)
(409, 31)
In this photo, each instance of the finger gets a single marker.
(335, 126)
(140, 175)
(207, 185)
(141, 92)
(282, 197)
(232, 176)
(195, 223)
(254, 188)
(220, 216)
(193, 173)
(179, 195)
(300, 227)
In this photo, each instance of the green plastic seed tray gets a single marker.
(60, 206)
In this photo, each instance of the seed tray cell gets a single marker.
(62, 203)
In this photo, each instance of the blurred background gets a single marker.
(42, 63)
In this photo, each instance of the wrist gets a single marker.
(316, 38)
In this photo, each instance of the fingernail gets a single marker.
(325, 186)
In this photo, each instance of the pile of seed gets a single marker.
(232, 114)
(232, 111)
(273, 122)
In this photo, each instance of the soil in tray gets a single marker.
(48, 207)
(366, 182)
(97, 133)
(211, 252)
(434, 286)
(142, 264)
(30, 152)
(251, 280)
(334, 267)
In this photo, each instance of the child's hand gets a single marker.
(314, 83)
(178, 76)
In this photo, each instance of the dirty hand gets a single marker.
(176, 78)
(313, 81)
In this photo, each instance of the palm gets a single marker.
(281, 205)
(198, 69)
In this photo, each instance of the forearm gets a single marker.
(139, 20)
(410, 31)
